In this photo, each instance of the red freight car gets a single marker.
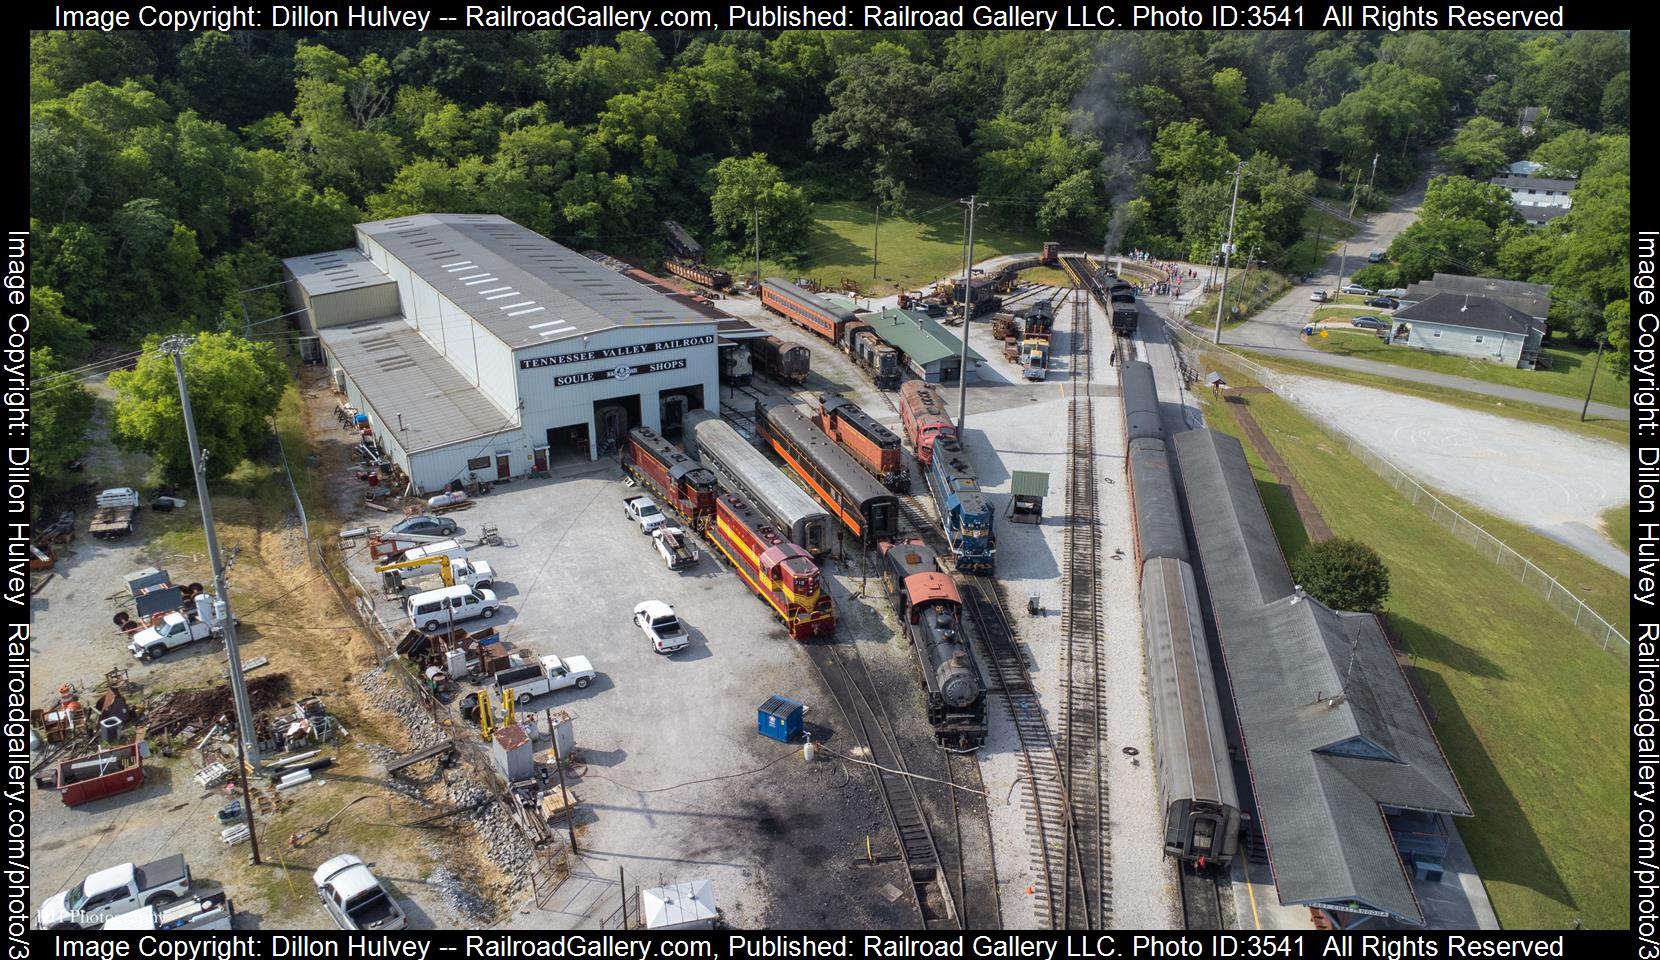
(923, 413)
(805, 309)
(780, 573)
(873, 445)
(104, 774)
(684, 485)
(697, 272)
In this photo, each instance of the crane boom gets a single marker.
(442, 560)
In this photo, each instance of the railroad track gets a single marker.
(1083, 715)
(1201, 900)
(849, 681)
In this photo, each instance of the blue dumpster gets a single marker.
(779, 718)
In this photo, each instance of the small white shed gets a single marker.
(684, 906)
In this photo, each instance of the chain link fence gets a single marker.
(1531, 576)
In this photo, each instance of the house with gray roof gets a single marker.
(1351, 786)
(1472, 325)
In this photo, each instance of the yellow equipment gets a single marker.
(508, 714)
(486, 717)
(442, 560)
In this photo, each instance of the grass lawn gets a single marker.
(1342, 313)
(1531, 712)
(910, 251)
(1569, 375)
(1248, 292)
(1618, 431)
(1053, 276)
(1318, 225)
(1616, 522)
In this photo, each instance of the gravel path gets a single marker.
(1552, 481)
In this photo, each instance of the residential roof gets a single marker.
(1530, 114)
(1029, 483)
(1533, 183)
(334, 271)
(1470, 310)
(1540, 213)
(1532, 299)
(1331, 729)
(522, 287)
(399, 372)
(917, 335)
(1525, 168)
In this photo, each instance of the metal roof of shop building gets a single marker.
(522, 287)
(332, 272)
(400, 373)
(917, 335)
(1332, 730)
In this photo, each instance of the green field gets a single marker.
(912, 251)
(1531, 711)
(1618, 431)
(1617, 524)
(1304, 255)
(1052, 276)
(1248, 292)
(1569, 375)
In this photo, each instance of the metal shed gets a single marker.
(1026, 492)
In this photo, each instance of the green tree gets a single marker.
(54, 329)
(1283, 127)
(884, 110)
(1568, 154)
(60, 409)
(744, 185)
(1618, 332)
(1460, 198)
(235, 385)
(1450, 246)
(1481, 147)
(1343, 574)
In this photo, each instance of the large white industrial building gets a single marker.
(476, 346)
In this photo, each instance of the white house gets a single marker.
(1475, 326)
(1537, 192)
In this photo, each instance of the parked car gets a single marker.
(545, 675)
(1396, 292)
(645, 512)
(1318, 296)
(1376, 256)
(174, 630)
(439, 608)
(422, 525)
(354, 898)
(211, 910)
(1356, 288)
(116, 890)
(1368, 323)
(1387, 303)
(665, 631)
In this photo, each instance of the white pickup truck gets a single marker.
(645, 512)
(175, 630)
(675, 547)
(116, 890)
(543, 676)
(205, 911)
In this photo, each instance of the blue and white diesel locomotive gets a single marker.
(965, 512)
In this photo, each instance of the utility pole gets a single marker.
(1593, 383)
(247, 745)
(1315, 260)
(1227, 253)
(1342, 268)
(968, 311)
(876, 240)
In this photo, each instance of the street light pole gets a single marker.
(876, 241)
(1593, 383)
(1227, 253)
(968, 310)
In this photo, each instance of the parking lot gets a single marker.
(674, 782)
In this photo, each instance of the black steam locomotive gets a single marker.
(930, 610)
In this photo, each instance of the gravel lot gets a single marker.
(1550, 480)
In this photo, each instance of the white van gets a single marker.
(449, 548)
(437, 609)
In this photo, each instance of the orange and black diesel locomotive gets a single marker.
(875, 447)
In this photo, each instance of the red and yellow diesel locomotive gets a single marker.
(684, 486)
(781, 573)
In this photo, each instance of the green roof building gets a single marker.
(930, 350)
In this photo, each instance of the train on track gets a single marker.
(680, 482)
(922, 412)
(930, 610)
(805, 309)
(875, 447)
(779, 572)
(881, 361)
(697, 272)
(783, 360)
(868, 511)
(747, 472)
(1115, 296)
(1037, 324)
(965, 512)
(1196, 784)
